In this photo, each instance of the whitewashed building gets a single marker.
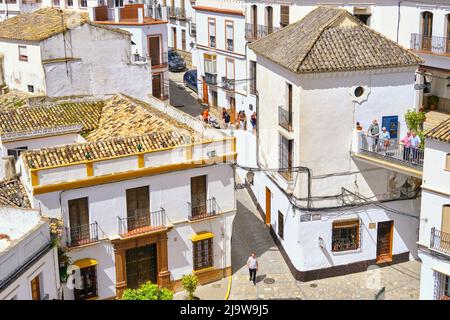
(61, 53)
(144, 193)
(434, 240)
(28, 258)
(335, 200)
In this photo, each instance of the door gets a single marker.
(268, 205)
(138, 208)
(35, 288)
(205, 91)
(79, 221)
(156, 85)
(255, 21)
(445, 228)
(384, 241)
(198, 196)
(391, 124)
(269, 19)
(154, 49)
(232, 109)
(427, 30)
(141, 265)
(174, 37)
(183, 40)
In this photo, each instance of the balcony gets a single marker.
(176, 13)
(202, 211)
(160, 60)
(82, 234)
(228, 84)
(153, 221)
(284, 118)
(255, 32)
(440, 241)
(138, 58)
(211, 78)
(433, 44)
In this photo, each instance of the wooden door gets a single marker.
(445, 228)
(156, 85)
(233, 109)
(174, 37)
(79, 220)
(35, 288)
(205, 91)
(183, 40)
(384, 241)
(198, 196)
(427, 30)
(268, 205)
(154, 49)
(255, 21)
(141, 265)
(269, 23)
(138, 208)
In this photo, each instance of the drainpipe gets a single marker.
(398, 19)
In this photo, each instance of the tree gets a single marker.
(190, 283)
(148, 291)
(414, 120)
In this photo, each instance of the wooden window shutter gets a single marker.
(284, 16)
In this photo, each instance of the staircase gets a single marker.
(433, 118)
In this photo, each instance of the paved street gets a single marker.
(182, 97)
(276, 282)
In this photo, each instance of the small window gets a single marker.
(23, 53)
(69, 3)
(83, 4)
(36, 293)
(56, 3)
(229, 32)
(359, 91)
(16, 152)
(447, 162)
(30, 88)
(88, 284)
(212, 32)
(345, 235)
(280, 225)
(203, 254)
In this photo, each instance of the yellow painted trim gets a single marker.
(141, 161)
(189, 151)
(34, 178)
(90, 169)
(84, 263)
(131, 154)
(202, 236)
(203, 270)
(227, 294)
(389, 165)
(90, 181)
(233, 148)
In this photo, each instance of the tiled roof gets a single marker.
(127, 126)
(45, 23)
(14, 100)
(12, 193)
(440, 132)
(26, 118)
(331, 40)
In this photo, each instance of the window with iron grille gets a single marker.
(88, 284)
(203, 254)
(280, 225)
(286, 157)
(345, 235)
(23, 53)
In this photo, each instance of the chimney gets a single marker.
(9, 167)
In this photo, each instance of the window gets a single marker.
(118, 3)
(363, 14)
(253, 77)
(203, 254)
(345, 235)
(359, 91)
(183, 40)
(210, 63)
(23, 53)
(447, 162)
(280, 225)
(30, 88)
(88, 283)
(427, 30)
(79, 221)
(16, 151)
(286, 157)
(229, 34)
(35, 284)
(83, 4)
(56, 3)
(212, 32)
(214, 98)
(285, 112)
(138, 208)
(284, 16)
(229, 84)
(69, 3)
(198, 196)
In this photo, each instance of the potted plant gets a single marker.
(433, 102)
(190, 283)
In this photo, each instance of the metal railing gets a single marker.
(204, 210)
(176, 13)
(284, 118)
(228, 84)
(211, 78)
(82, 234)
(141, 224)
(440, 241)
(432, 44)
(393, 151)
(255, 32)
(154, 12)
(135, 57)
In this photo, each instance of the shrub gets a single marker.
(190, 283)
(148, 291)
(414, 120)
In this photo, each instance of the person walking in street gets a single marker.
(226, 118)
(253, 121)
(205, 115)
(406, 142)
(252, 265)
(374, 133)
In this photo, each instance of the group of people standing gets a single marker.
(241, 120)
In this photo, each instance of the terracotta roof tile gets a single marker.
(12, 193)
(440, 132)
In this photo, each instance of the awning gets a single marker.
(202, 236)
(84, 263)
(442, 268)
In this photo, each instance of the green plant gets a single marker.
(190, 283)
(414, 120)
(148, 291)
(433, 100)
(64, 263)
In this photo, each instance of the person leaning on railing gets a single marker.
(415, 144)
(406, 142)
(374, 133)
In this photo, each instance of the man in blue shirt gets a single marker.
(415, 143)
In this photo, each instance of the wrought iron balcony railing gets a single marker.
(284, 118)
(440, 241)
(82, 234)
(393, 151)
(228, 84)
(176, 13)
(161, 61)
(212, 41)
(254, 32)
(431, 44)
(204, 210)
(211, 78)
(152, 221)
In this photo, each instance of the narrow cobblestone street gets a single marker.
(274, 280)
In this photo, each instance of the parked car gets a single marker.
(176, 62)
(190, 79)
